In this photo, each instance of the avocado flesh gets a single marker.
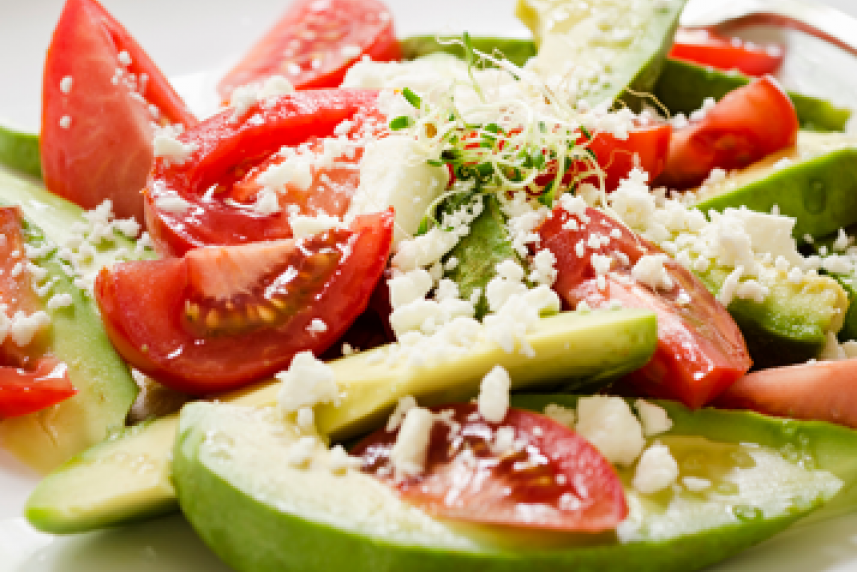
(105, 388)
(20, 151)
(515, 50)
(570, 32)
(682, 87)
(818, 186)
(792, 323)
(258, 513)
(571, 349)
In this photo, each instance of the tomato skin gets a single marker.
(30, 380)
(310, 32)
(706, 47)
(746, 125)
(649, 143)
(145, 306)
(491, 490)
(820, 391)
(106, 151)
(224, 145)
(700, 349)
(24, 391)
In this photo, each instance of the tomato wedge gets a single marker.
(24, 391)
(820, 391)
(706, 47)
(315, 42)
(100, 95)
(550, 478)
(30, 379)
(700, 349)
(646, 147)
(221, 317)
(746, 125)
(218, 183)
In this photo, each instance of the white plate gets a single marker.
(189, 38)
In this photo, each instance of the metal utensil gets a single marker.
(816, 19)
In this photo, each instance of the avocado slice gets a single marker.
(106, 390)
(792, 323)
(607, 48)
(258, 514)
(102, 487)
(815, 182)
(20, 151)
(515, 50)
(682, 87)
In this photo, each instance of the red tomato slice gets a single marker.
(645, 147)
(746, 125)
(700, 349)
(25, 391)
(551, 478)
(96, 140)
(29, 380)
(315, 42)
(706, 47)
(224, 316)
(821, 391)
(231, 153)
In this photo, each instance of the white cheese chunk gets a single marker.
(653, 418)
(610, 425)
(656, 470)
(306, 383)
(408, 454)
(493, 401)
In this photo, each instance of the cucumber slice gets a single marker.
(259, 514)
(683, 86)
(20, 151)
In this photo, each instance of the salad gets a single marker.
(494, 164)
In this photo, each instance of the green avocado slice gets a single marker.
(258, 513)
(106, 390)
(815, 182)
(683, 86)
(20, 151)
(576, 39)
(105, 487)
(515, 50)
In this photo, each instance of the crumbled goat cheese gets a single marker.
(562, 415)
(306, 383)
(656, 470)
(696, 484)
(653, 418)
(296, 170)
(305, 226)
(169, 148)
(650, 270)
(301, 451)
(409, 287)
(610, 425)
(408, 454)
(404, 405)
(493, 400)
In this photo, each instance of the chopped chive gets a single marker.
(401, 122)
(585, 132)
(435, 163)
(412, 98)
